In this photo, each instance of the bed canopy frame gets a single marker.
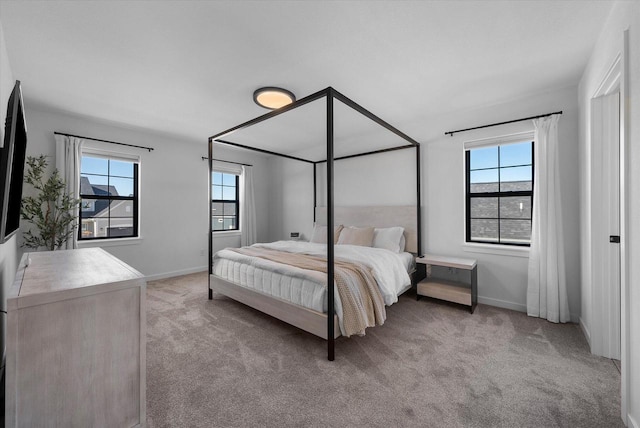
(330, 94)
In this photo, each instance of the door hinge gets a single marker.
(614, 239)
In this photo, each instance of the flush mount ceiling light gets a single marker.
(273, 98)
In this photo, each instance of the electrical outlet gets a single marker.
(201, 253)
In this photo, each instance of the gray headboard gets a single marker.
(382, 216)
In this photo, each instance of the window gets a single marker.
(225, 195)
(499, 193)
(108, 197)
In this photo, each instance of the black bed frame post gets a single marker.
(315, 198)
(209, 219)
(330, 94)
(330, 238)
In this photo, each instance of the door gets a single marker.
(605, 220)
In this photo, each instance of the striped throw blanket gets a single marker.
(362, 302)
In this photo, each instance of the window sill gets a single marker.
(110, 242)
(225, 234)
(500, 250)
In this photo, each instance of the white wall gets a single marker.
(502, 278)
(173, 196)
(389, 179)
(290, 198)
(624, 15)
(292, 188)
(380, 179)
(8, 250)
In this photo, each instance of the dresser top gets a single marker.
(66, 270)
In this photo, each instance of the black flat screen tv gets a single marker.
(12, 157)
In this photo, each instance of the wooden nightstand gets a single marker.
(452, 291)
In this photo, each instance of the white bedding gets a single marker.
(388, 268)
(308, 288)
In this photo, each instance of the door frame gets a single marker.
(625, 309)
(615, 79)
(606, 311)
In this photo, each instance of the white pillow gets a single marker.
(319, 235)
(362, 236)
(389, 238)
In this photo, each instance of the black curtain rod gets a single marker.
(222, 160)
(502, 123)
(105, 141)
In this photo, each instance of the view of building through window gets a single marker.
(500, 193)
(225, 199)
(109, 198)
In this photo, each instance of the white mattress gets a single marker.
(297, 289)
(304, 287)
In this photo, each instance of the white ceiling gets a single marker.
(189, 68)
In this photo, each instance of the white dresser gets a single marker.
(76, 342)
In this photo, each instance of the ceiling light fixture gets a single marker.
(273, 98)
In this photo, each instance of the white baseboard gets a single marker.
(502, 304)
(585, 331)
(513, 306)
(631, 423)
(176, 273)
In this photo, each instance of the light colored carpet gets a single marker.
(219, 363)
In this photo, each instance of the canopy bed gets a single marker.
(299, 294)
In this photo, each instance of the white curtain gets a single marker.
(547, 287)
(247, 208)
(68, 154)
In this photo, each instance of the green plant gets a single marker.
(51, 210)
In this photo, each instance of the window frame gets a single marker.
(135, 198)
(226, 201)
(498, 194)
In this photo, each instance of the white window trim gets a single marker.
(225, 169)
(128, 157)
(225, 233)
(497, 249)
(110, 154)
(517, 137)
(106, 242)
(478, 247)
